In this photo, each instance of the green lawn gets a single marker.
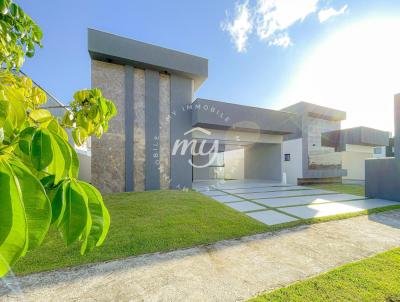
(347, 189)
(147, 222)
(373, 279)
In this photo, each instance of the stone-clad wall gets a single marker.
(165, 153)
(139, 132)
(108, 154)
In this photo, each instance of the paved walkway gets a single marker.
(226, 271)
(275, 203)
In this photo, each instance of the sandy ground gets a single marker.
(229, 270)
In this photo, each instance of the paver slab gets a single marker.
(302, 200)
(213, 193)
(283, 194)
(271, 217)
(264, 189)
(245, 206)
(227, 198)
(335, 208)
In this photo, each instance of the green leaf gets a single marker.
(74, 170)
(36, 204)
(41, 150)
(40, 115)
(100, 217)
(79, 135)
(25, 140)
(76, 215)
(58, 202)
(13, 226)
(4, 111)
(61, 163)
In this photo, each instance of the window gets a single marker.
(377, 150)
(287, 157)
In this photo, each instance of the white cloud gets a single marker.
(272, 20)
(240, 27)
(283, 41)
(274, 17)
(325, 14)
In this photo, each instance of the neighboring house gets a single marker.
(162, 138)
(355, 145)
(306, 160)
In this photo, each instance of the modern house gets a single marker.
(165, 138)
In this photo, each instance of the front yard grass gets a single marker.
(342, 188)
(372, 279)
(146, 222)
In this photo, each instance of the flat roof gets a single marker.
(222, 115)
(108, 47)
(362, 136)
(313, 110)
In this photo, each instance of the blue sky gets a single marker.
(260, 60)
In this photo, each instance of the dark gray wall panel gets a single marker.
(382, 178)
(397, 126)
(181, 121)
(129, 128)
(241, 118)
(152, 124)
(104, 47)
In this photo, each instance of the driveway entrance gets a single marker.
(276, 203)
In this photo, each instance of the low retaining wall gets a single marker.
(382, 178)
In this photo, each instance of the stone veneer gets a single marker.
(108, 153)
(139, 137)
(165, 152)
(108, 156)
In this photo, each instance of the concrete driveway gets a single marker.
(276, 203)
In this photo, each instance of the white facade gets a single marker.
(353, 160)
(293, 160)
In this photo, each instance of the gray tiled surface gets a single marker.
(271, 217)
(264, 189)
(328, 209)
(245, 206)
(301, 200)
(227, 198)
(283, 194)
(213, 193)
(294, 200)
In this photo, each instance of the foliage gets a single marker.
(38, 166)
(18, 34)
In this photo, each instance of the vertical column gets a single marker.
(129, 112)
(165, 151)
(152, 104)
(108, 154)
(139, 145)
(181, 121)
(397, 126)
